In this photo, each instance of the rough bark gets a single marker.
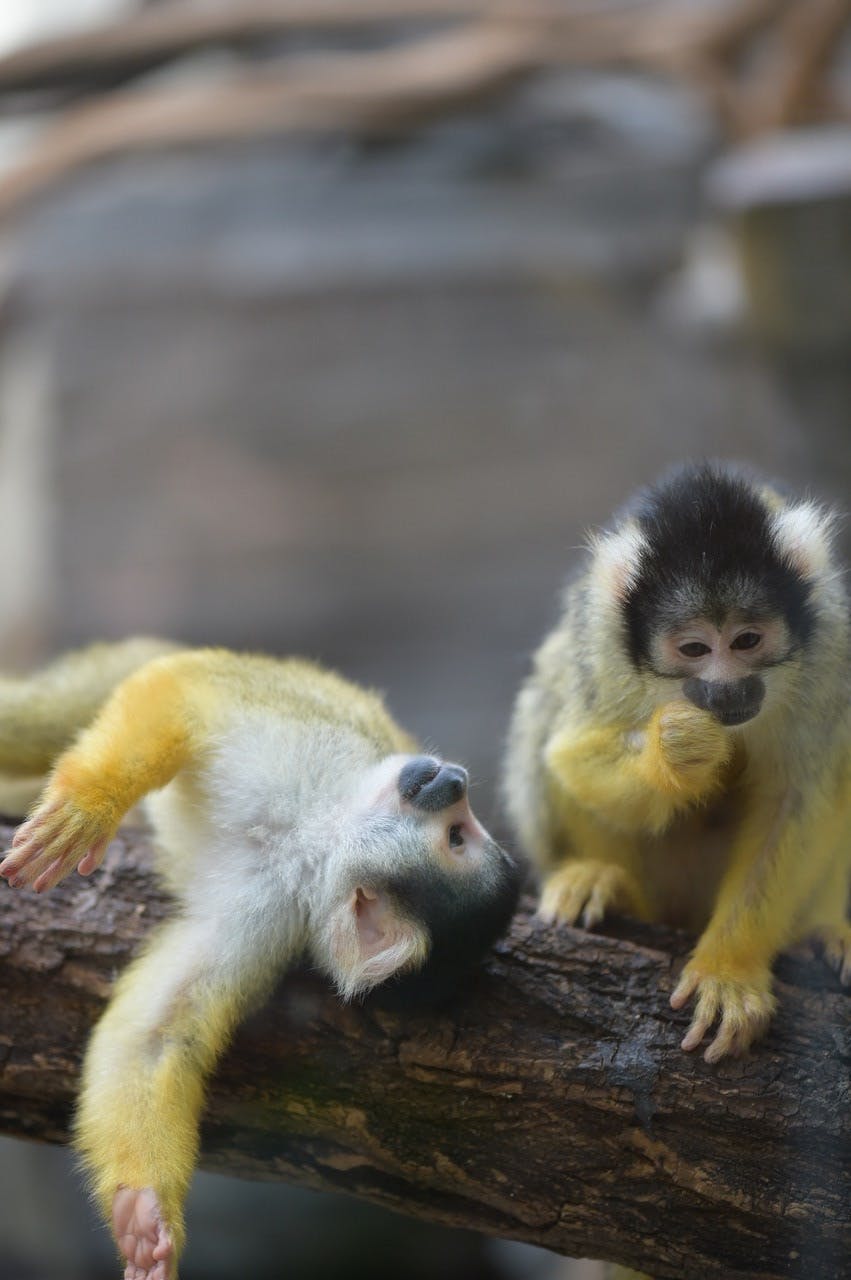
(547, 1102)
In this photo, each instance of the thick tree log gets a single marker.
(548, 1102)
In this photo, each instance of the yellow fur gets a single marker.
(175, 1008)
(631, 798)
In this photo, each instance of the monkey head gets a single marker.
(419, 885)
(717, 579)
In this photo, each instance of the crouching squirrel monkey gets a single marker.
(292, 816)
(682, 749)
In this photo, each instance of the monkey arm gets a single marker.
(637, 781)
(171, 1015)
(787, 880)
(150, 728)
(611, 786)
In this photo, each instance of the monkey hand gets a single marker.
(589, 888)
(743, 1002)
(143, 1238)
(690, 745)
(61, 834)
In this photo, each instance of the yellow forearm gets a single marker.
(143, 1077)
(639, 781)
(777, 866)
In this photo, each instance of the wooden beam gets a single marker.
(548, 1102)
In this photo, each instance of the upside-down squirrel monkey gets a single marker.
(682, 749)
(292, 816)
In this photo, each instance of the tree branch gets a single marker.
(549, 1102)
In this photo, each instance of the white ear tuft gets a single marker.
(616, 560)
(803, 534)
(369, 941)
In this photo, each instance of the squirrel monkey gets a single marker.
(292, 816)
(682, 749)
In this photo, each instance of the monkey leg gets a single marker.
(146, 732)
(600, 873)
(830, 932)
(780, 860)
(136, 1127)
(41, 713)
(638, 781)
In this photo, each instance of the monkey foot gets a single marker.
(588, 889)
(744, 1006)
(834, 943)
(142, 1236)
(46, 848)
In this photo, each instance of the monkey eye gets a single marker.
(456, 836)
(746, 640)
(694, 649)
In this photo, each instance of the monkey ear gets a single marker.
(803, 534)
(616, 560)
(370, 940)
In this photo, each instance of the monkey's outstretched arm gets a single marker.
(148, 730)
(638, 781)
(142, 1091)
(771, 896)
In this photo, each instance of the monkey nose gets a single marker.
(430, 785)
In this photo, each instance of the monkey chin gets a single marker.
(142, 1235)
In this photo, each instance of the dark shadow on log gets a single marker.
(548, 1102)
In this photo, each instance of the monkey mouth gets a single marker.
(741, 715)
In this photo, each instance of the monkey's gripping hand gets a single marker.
(744, 1003)
(638, 780)
(64, 832)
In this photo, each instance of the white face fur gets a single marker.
(722, 654)
(368, 937)
(456, 839)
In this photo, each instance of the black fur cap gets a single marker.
(709, 550)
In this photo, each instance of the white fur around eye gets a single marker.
(802, 535)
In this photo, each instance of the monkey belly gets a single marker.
(682, 867)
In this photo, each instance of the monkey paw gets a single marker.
(59, 836)
(745, 1006)
(142, 1236)
(834, 943)
(691, 739)
(589, 889)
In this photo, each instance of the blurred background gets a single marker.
(331, 327)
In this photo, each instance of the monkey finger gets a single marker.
(92, 860)
(34, 824)
(8, 866)
(12, 865)
(562, 903)
(685, 988)
(704, 1016)
(22, 834)
(740, 1026)
(40, 857)
(49, 878)
(835, 946)
(727, 1041)
(595, 909)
